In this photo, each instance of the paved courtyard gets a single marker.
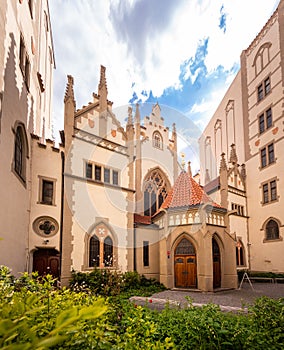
(229, 300)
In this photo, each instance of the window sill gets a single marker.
(270, 202)
(265, 240)
(268, 165)
(49, 204)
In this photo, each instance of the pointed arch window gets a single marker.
(155, 191)
(239, 253)
(94, 252)
(157, 140)
(185, 247)
(108, 252)
(272, 230)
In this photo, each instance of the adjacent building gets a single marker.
(248, 129)
(26, 71)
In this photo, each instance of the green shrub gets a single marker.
(107, 283)
(36, 315)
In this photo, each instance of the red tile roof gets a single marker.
(186, 192)
(142, 219)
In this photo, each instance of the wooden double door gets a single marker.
(185, 271)
(46, 261)
(185, 265)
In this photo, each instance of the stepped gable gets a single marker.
(186, 192)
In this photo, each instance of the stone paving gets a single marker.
(228, 300)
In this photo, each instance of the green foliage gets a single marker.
(35, 315)
(113, 283)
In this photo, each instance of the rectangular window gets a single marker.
(273, 190)
(267, 155)
(263, 157)
(265, 193)
(267, 85)
(47, 192)
(239, 208)
(106, 175)
(261, 124)
(268, 118)
(145, 253)
(115, 177)
(89, 170)
(270, 153)
(269, 190)
(98, 173)
(260, 92)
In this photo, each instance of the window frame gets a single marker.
(19, 166)
(146, 254)
(89, 170)
(271, 237)
(24, 62)
(265, 121)
(41, 189)
(267, 155)
(269, 193)
(157, 140)
(263, 89)
(100, 173)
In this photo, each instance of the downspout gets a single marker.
(134, 248)
(61, 210)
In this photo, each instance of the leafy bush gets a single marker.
(35, 315)
(113, 283)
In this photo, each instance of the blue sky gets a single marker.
(183, 54)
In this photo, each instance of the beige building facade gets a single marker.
(250, 117)
(114, 196)
(26, 75)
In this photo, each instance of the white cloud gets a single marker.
(150, 44)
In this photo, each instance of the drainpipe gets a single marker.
(134, 248)
(61, 210)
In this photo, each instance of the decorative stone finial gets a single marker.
(223, 165)
(137, 114)
(182, 160)
(233, 155)
(129, 119)
(102, 90)
(189, 169)
(243, 171)
(69, 92)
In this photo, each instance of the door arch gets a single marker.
(185, 265)
(46, 261)
(216, 264)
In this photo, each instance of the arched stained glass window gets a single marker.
(185, 247)
(155, 191)
(108, 252)
(94, 252)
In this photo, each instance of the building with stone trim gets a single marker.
(250, 123)
(115, 197)
(26, 85)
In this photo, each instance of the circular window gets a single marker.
(45, 226)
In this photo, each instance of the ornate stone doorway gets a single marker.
(185, 265)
